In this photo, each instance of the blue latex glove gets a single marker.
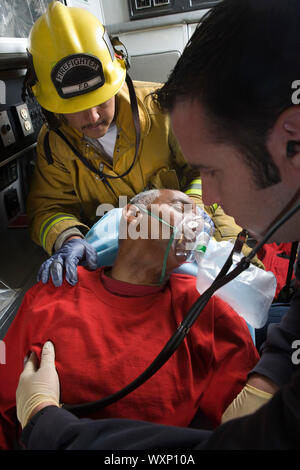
(74, 252)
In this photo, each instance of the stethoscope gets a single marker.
(183, 329)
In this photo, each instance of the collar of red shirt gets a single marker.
(126, 289)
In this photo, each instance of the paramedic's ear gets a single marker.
(293, 153)
(284, 139)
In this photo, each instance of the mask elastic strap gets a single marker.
(164, 266)
(163, 271)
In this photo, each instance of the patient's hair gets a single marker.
(145, 198)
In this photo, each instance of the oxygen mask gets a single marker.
(192, 235)
(189, 236)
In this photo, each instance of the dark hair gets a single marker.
(240, 65)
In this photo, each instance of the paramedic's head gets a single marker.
(73, 69)
(159, 229)
(230, 98)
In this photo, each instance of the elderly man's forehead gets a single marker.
(169, 196)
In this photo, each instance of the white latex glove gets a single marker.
(38, 384)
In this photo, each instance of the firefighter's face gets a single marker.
(93, 122)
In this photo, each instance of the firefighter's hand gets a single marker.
(73, 252)
(38, 385)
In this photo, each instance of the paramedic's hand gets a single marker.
(38, 385)
(73, 252)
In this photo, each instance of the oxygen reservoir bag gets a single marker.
(250, 294)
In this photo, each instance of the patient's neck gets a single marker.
(137, 264)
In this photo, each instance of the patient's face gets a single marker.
(168, 213)
(163, 234)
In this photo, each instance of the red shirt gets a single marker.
(107, 332)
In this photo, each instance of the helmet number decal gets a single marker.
(77, 74)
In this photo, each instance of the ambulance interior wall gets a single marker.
(154, 44)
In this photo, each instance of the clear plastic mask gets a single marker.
(192, 235)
